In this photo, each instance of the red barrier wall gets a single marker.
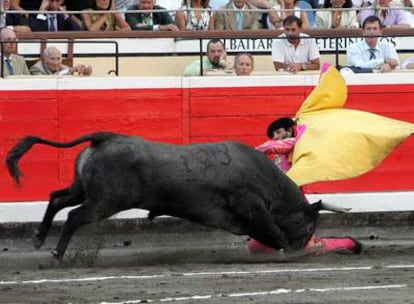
(181, 114)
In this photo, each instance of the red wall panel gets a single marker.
(180, 115)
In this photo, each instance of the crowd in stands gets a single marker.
(295, 52)
(56, 15)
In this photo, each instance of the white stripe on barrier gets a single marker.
(14, 83)
(359, 202)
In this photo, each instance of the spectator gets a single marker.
(243, 64)
(157, 21)
(336, 18)
(17, 22)
(294, 52)
(390, 16)
(200, 18)
(104, 21)
(215, 60)
(237, 16)
(52, 22)
(371, 52)
(51, 64)
(13, 63)
(292, 10)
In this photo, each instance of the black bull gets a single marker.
(226, 185)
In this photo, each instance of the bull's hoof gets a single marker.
(56, 255)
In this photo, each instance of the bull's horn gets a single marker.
(334, 208)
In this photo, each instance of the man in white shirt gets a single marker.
(293, 51)
(372, 52)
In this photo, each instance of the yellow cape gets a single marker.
(340, 143)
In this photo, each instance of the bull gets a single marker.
(226, 185)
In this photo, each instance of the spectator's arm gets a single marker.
(135, 23)
(305, 21)
(277, 146)
(73, 22)
(94, 26)
(180, 20)
(121, 24)
(279, 65)
(314, 64)
(35, 70)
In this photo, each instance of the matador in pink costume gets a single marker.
(283, 134)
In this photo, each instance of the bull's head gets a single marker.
(303, 225)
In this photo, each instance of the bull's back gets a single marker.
(132, 163)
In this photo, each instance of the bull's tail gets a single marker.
(28, 142)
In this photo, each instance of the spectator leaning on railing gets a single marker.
(17, 22)
(215, 59)
(372, 52)
(53, 22)
(237, 15)
(336, 18)
(293, 51)
(148, 21)
(195, 17)
(390, 16)
(13, 64)
(51, 64)
(106, 21)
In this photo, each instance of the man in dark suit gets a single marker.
(157, 21)
(53, 22)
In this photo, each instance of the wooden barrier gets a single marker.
(182, 110)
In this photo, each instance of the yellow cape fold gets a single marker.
(340, 143)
